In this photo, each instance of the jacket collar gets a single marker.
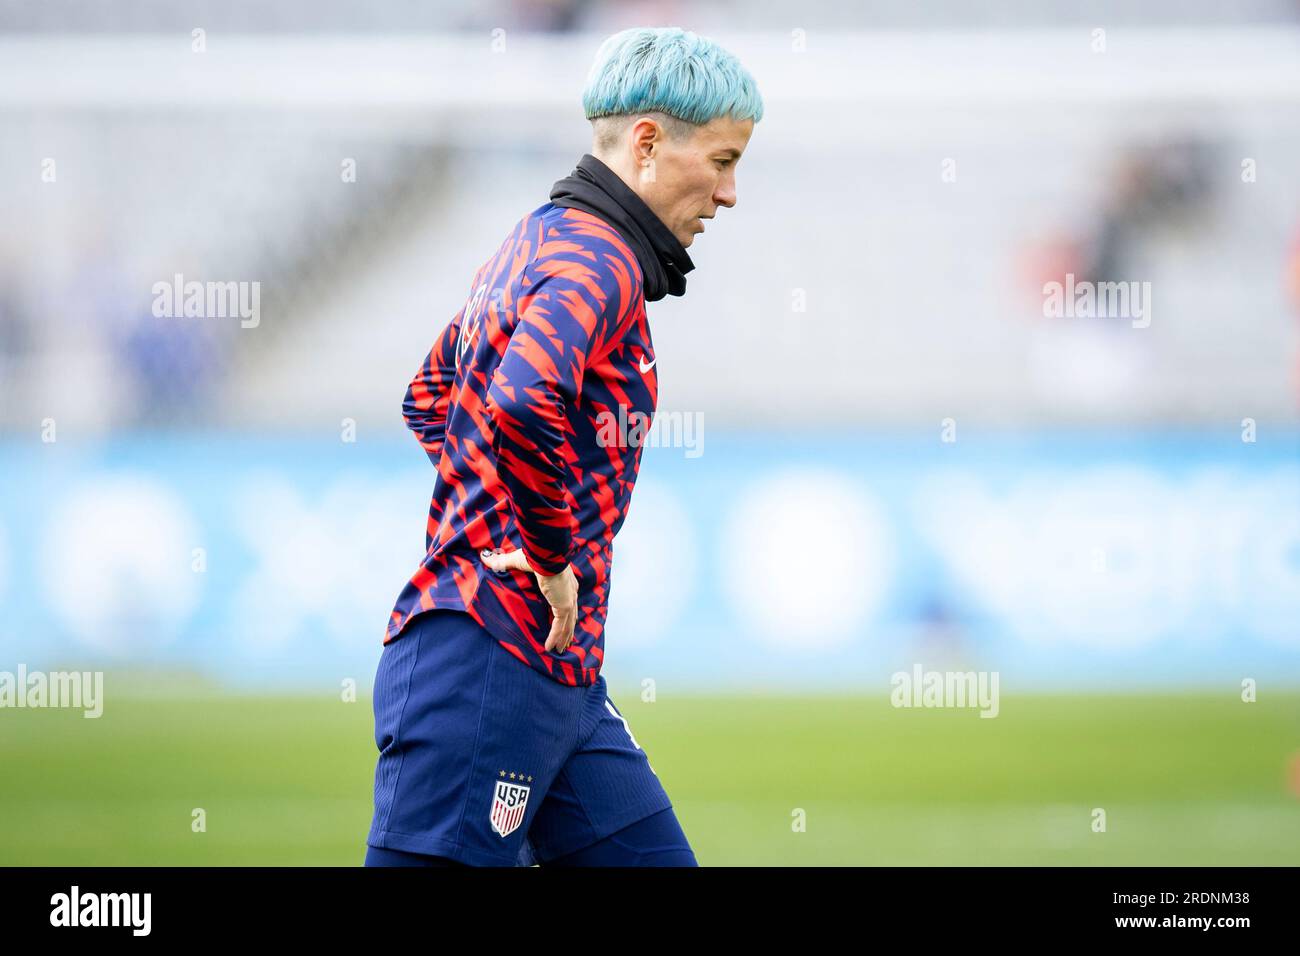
(595, 188)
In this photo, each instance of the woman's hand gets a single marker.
(560, 591)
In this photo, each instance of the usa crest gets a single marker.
(509, 804)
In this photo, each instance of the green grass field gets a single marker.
(1185, 780)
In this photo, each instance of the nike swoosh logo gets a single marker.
(645, 368)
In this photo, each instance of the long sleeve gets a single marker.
(428, 397)
(572, 302)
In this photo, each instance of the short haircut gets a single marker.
(670, 71)
(608, 129)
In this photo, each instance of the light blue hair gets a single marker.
(672, 71)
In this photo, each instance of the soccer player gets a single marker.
(498, 745)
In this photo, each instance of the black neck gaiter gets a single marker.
(595, 188)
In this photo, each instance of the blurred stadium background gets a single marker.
(220, 517)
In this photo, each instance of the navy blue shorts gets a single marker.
(485, 760)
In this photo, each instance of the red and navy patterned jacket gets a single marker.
(518, 407)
